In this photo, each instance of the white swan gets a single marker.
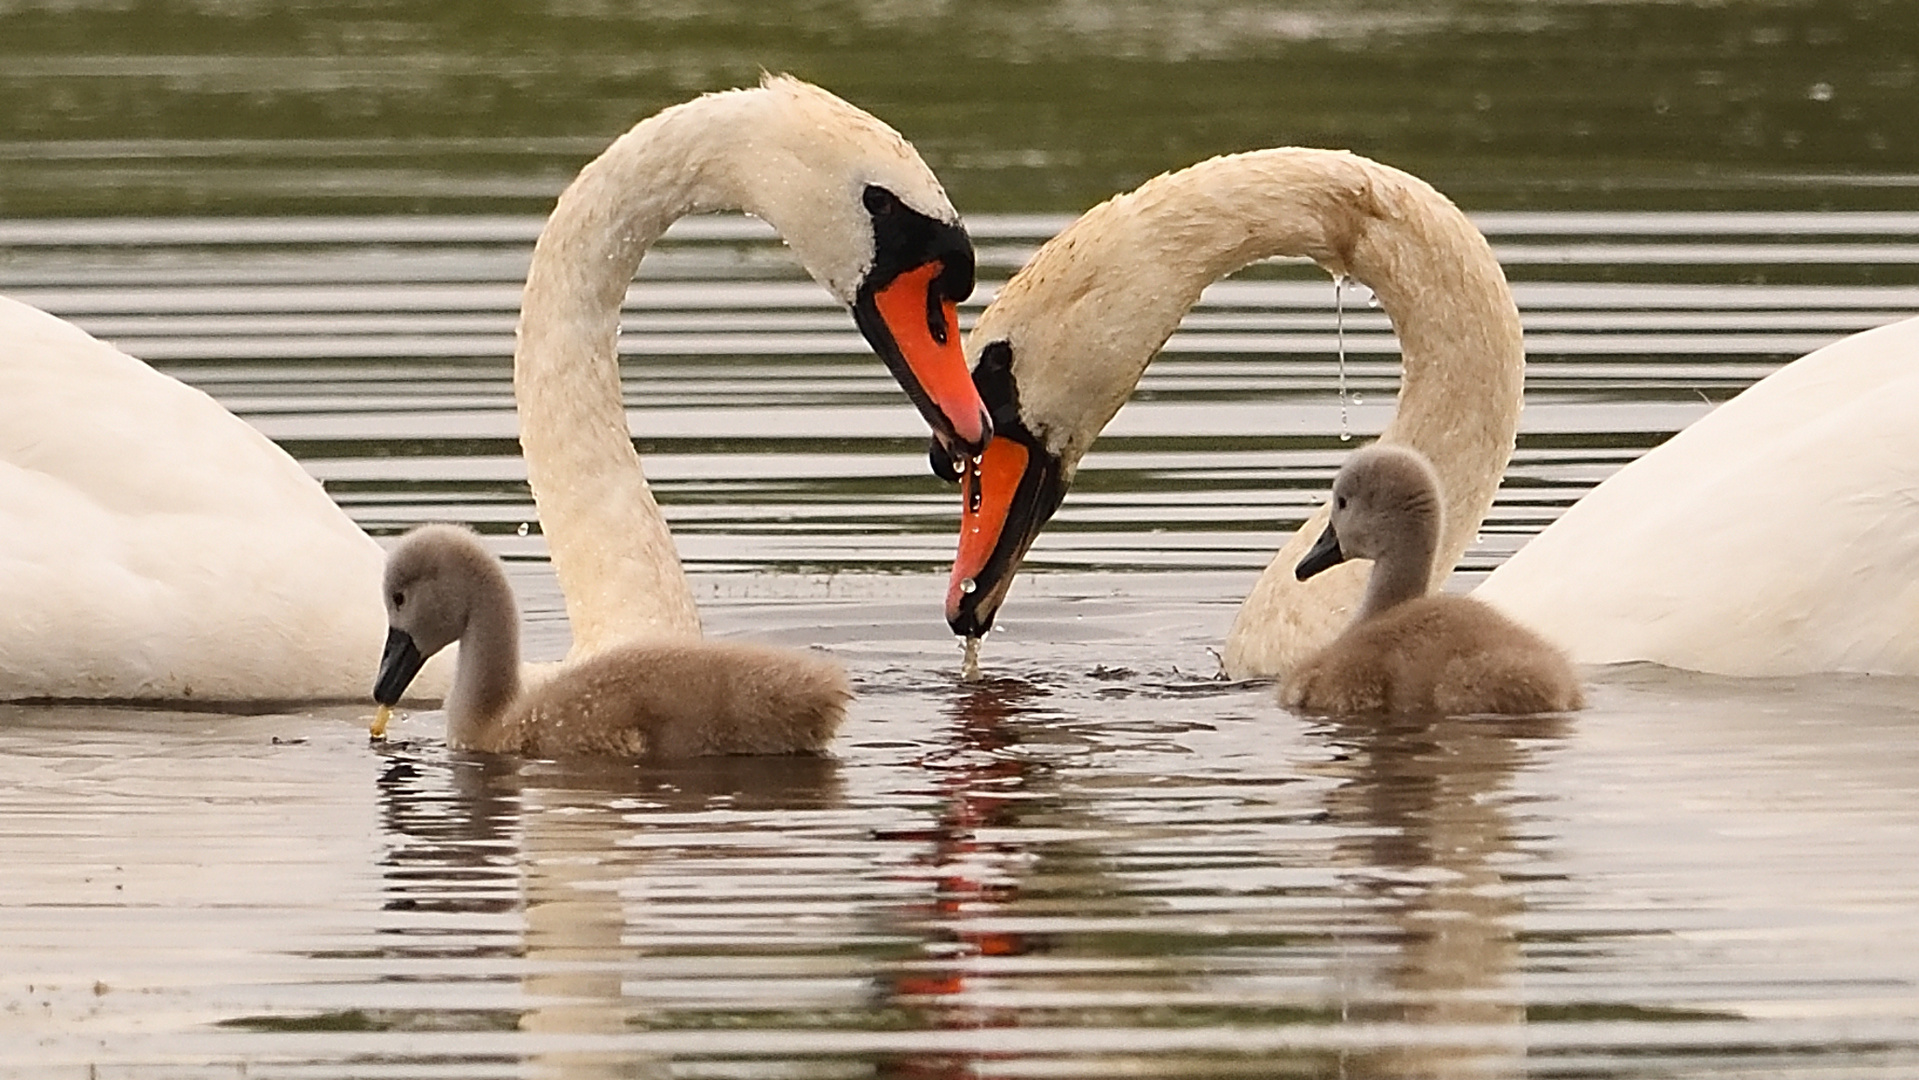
(640, 699)
(1777, 535)
(153, 546)
(1409, 649)
(1061, 348)
(856, 204)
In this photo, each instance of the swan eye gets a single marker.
(1339, 502)
(879, 201)
(399, 599)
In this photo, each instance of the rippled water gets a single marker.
(1099, 862)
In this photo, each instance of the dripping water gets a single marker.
(1339, 322)
(969, 660)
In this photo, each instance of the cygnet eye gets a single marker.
(399, 599)
(1339, 502)
(878, 200)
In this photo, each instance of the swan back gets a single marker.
(1438, 656)
(682, 699)
(1776, 535)
(144, 530)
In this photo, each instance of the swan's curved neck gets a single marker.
(610, 546)
(1460, 388)
(1116, 285)
(486, 675)
(1401, 573)
(1160, 246)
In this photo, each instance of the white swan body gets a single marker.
(153, 546)
(1063, 345)
(1777, 535)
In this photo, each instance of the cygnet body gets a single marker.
(645, 699)
(1409, 649)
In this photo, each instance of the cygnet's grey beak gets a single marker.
(1323, 555)
(399, 662)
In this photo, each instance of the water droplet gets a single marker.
(968, 585)
(1820, 91)
(524, 528)
(1339, 318)
(1358, 401)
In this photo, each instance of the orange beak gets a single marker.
(1009, 494)
(912, 322)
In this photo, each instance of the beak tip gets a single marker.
(970, 440)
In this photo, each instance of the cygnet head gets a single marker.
(440, 582)
(1386, 508)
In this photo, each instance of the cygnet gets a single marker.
(1410, 650)
(664, 699)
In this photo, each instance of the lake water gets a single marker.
(1100, 860)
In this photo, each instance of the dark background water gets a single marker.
(256, 106)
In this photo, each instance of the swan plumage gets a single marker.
(1408, 649)
(865, 216)
(639, 699)
(1062, 346)
(1776, 535)
(154, 546)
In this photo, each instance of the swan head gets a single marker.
(1058, 352)
(1008, 494)
(433, 582)
(870, 222)
(1385, 506)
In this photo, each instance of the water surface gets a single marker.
(1101, 860)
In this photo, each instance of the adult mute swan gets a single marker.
(856, 204)
(1777, 535)
(640, 699)
(1410, 650)
(153, 546)
(1062, 346)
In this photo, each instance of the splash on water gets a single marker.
(969, 659)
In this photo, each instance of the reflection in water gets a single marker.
(979, 786)
(560, 836)
(1432, 829)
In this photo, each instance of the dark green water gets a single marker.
(256, 106)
